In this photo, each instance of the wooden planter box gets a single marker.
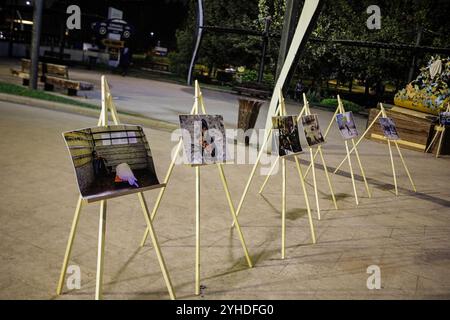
(415, 128)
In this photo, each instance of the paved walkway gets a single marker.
(151, 98)
(406, 236)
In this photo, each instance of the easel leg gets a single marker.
(252, 174)
(362, 170)
(161, 192)
(359, 140)
(159, 255)
(197, 230)
(327, 176)
(283, 209)
(305, 194)
(69, 246)
(393, 167)
(310, 165)
(438, 152)
(432, 141)
(351, 172)
(315, 183)
(324, 136)
(269, 174)
(101, 251)
(233, 213)
(406, 168)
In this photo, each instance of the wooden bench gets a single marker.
(252, 92)
(52, 75)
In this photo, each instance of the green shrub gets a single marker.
(348, 105)
(249, 75)
(313, 96)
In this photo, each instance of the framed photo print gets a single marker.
(111, 161)
(287, 139)
(311, 127)
(204, 139)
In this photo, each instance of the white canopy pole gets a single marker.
(309, 10)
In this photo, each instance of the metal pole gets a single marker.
(289, 24)
(35, 41)
(412, 67)
(198, 41)
(264, 48)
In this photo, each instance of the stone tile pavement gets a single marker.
(407, 236)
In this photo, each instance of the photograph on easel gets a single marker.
(287, 140)
(389, 128)
(204, 139)
(444, 118)
(346, 125)
(111, 161)
(311, 127)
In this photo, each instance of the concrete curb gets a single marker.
(94, 113)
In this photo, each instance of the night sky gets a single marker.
(162, 17)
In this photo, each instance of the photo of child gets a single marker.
(204, 139)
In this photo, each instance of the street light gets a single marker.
(28, 3)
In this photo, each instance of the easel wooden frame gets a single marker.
(198, 103)
(440, 132)
(281, 110)
(305, 110)
(340, 109)
(382, 113)
(108, 105)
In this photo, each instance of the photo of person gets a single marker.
(389, 129)
(204, 139)
(444, 118)
(312, 131)
(346, 125)
(111, 161)
(286, 133)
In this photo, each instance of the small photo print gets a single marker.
(286, 133)
(111, 161)
(346, 125)
(312, 130)
(204, 139)
(444, 118)
(389, 129)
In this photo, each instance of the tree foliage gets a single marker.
(340, 19)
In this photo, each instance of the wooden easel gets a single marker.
(340, 109)
(440, 132)
(382, 113)
(195, 110)
(281, 110)
(108, 105)
(305, 110)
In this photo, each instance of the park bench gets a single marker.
(52, 75)
(264, 94)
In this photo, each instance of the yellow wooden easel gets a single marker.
(340, 109)
(305, 110)
(108, 105)
(198, 103)
(382, 113)
(440, 131)
(281, 110)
